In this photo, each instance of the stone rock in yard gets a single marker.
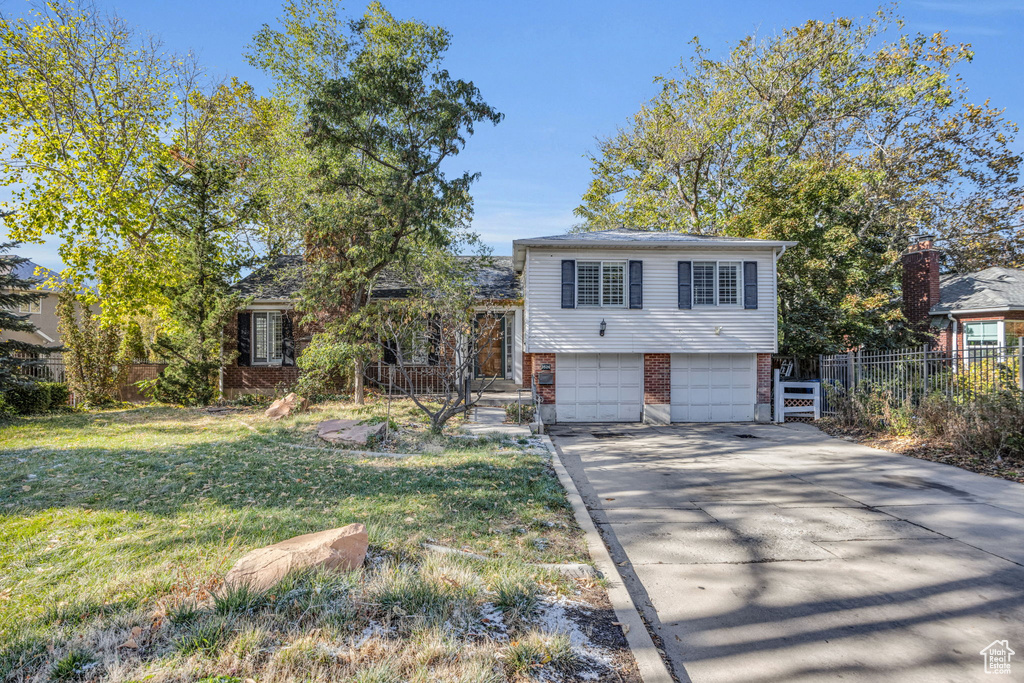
(348, 431)
(292, 403)
(343, 549)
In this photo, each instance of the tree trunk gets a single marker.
(359, 391)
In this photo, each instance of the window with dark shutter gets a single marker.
(287, 341)
(685, 284)
(389, 355)
(244, 338)
(636, 284)
(750, 284)
(568, 284)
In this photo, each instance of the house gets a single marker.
(42, 313)
(269, 340)
(962, 311)
(619, 325)
(633, 325)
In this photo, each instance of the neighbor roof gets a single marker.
(493, 276)
(637, 237)
(26, 270)
(989, 289)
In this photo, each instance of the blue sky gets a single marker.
(564, 73)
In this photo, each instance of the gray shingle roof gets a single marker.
(494, 278)
(991, 288)
(637, 235)
(26, 271)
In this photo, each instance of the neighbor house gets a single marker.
(618, 325)
(963, 311)
(42, 313)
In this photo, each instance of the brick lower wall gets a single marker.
(764, 378)
(531, 366)
(657, 378)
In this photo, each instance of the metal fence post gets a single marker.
(850, 384)
(924, 390)
(779, 400)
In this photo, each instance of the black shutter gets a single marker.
(390, 357)
(636, 284)
(568, 284)
(287, 341)
(244, 338)
(685, 284)
(750, 284)
(433, 341)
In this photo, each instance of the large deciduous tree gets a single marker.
(382, 118)
(836, 134)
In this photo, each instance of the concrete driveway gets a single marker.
(777, 553)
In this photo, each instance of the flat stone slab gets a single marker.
(348, 432)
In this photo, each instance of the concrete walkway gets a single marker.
(776, 553)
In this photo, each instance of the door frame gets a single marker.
(501, 322)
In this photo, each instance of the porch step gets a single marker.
(500, 398)
(502, 385)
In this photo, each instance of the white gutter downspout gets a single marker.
(956, 324)
(780, 253)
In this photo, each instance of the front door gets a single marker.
(490, 347)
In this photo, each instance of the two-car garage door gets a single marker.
(608, 387)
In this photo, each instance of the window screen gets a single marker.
(613, 284)
(728, 283)
(588, 284)
(704, 283)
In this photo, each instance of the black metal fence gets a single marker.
(908, 375)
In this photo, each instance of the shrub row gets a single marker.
(34, 397)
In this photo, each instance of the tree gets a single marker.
(89, 110)
(435, 323)
(379, 131)
(15, 356)
(205, 207)
(97, 356)
(887, 125)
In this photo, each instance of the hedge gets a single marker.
(35, 397)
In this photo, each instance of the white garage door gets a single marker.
(598, 387)
(713, 387)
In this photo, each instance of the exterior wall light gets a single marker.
(604, 326)
(718, 331)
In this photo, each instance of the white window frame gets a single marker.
(999, 339)
(33, 307)
(716, 282)
(601, 284)
(273, 344)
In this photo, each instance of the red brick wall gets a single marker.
(764, 378)
(920, 283)
(531, 366)
(139, 371)
(657, 378)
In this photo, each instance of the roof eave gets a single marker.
(519, 247)
(972, 311)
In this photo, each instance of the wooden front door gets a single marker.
(490, 354)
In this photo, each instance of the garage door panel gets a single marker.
(712, 387)
(598, 387)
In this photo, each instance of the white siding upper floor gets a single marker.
(660, 326)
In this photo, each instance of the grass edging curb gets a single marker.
(648, 660)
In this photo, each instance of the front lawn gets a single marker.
(117, 526)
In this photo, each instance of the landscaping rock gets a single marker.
(343, 549)
(292, 403)
(349, 431)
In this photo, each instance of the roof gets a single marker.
(639, 237)
(26, 270)
(993, 288)
(493, 276)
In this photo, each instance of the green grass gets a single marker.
(131, 517)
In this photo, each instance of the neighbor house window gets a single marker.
(716, 283)
(1014, 331)
(982, 333)
(267, 337)
(600, 283)
(34, 307)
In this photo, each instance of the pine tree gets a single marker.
(15, 355)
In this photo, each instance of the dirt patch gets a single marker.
(596, 619)
(927, 449)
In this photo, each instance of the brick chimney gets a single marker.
(920, 280)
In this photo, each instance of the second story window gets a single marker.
(716, 283)
(33, 307)
(600, 283)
